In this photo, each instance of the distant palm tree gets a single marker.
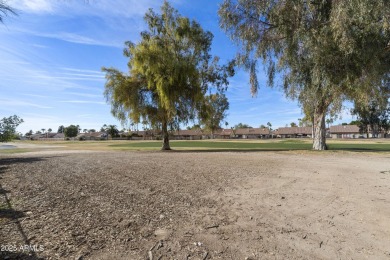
(112, 130)
(270, 129)
(103, 128)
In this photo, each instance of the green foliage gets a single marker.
(241, 125)
(112, 130)
(293, 124)
(29, 133)
(170, 70)
(375, 117)
(355, 122)
(71, 131)
(282, 145)
(8, 127)
(103, 128)
(325, 51)
(194, 127)
(214, 111)
(61, 129)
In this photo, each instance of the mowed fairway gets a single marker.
(206, 200)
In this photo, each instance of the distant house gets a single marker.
(47, 137)
(188, 134)
(92, 136)
(59, 136)
(345, 131)
(36, 136)
(252, 133)
(293, 132)
(224, 134)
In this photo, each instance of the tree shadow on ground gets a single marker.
(15, 160)
(231, 150)
(358, 149)
(8, 212)
(19, 256)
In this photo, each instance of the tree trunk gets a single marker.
(319, 141)
(165, 134)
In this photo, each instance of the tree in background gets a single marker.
(103, 128)
(374, 116)
(293, 124)
(214, 111)
(61, 129)
(170, 71)
(91, 131)
(194, 127)
(8, 127)
(29, 133)
(112, 130)
(241, 125)
(329, 121)
(325, 51)
(71, 131)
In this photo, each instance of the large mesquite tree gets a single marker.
(170, 71)
(325, 51)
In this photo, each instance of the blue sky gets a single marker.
(53, 51)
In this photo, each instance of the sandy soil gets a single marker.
(204, 205)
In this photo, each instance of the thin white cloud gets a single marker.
(39, 46)
(35, 95)
(83, 102)
(34, 6)
(20, 103)
(85, 94)
(83, 75)
(82, 70)
(71, 37)
(124, 8)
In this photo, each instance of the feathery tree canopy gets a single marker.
(8, 127)
(325, 51)
(215, 111)
(374, 117)
(170, 71)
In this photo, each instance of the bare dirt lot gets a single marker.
(195, 205)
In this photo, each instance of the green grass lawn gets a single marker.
(16, 150)
(354, 145)
(282, 145)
